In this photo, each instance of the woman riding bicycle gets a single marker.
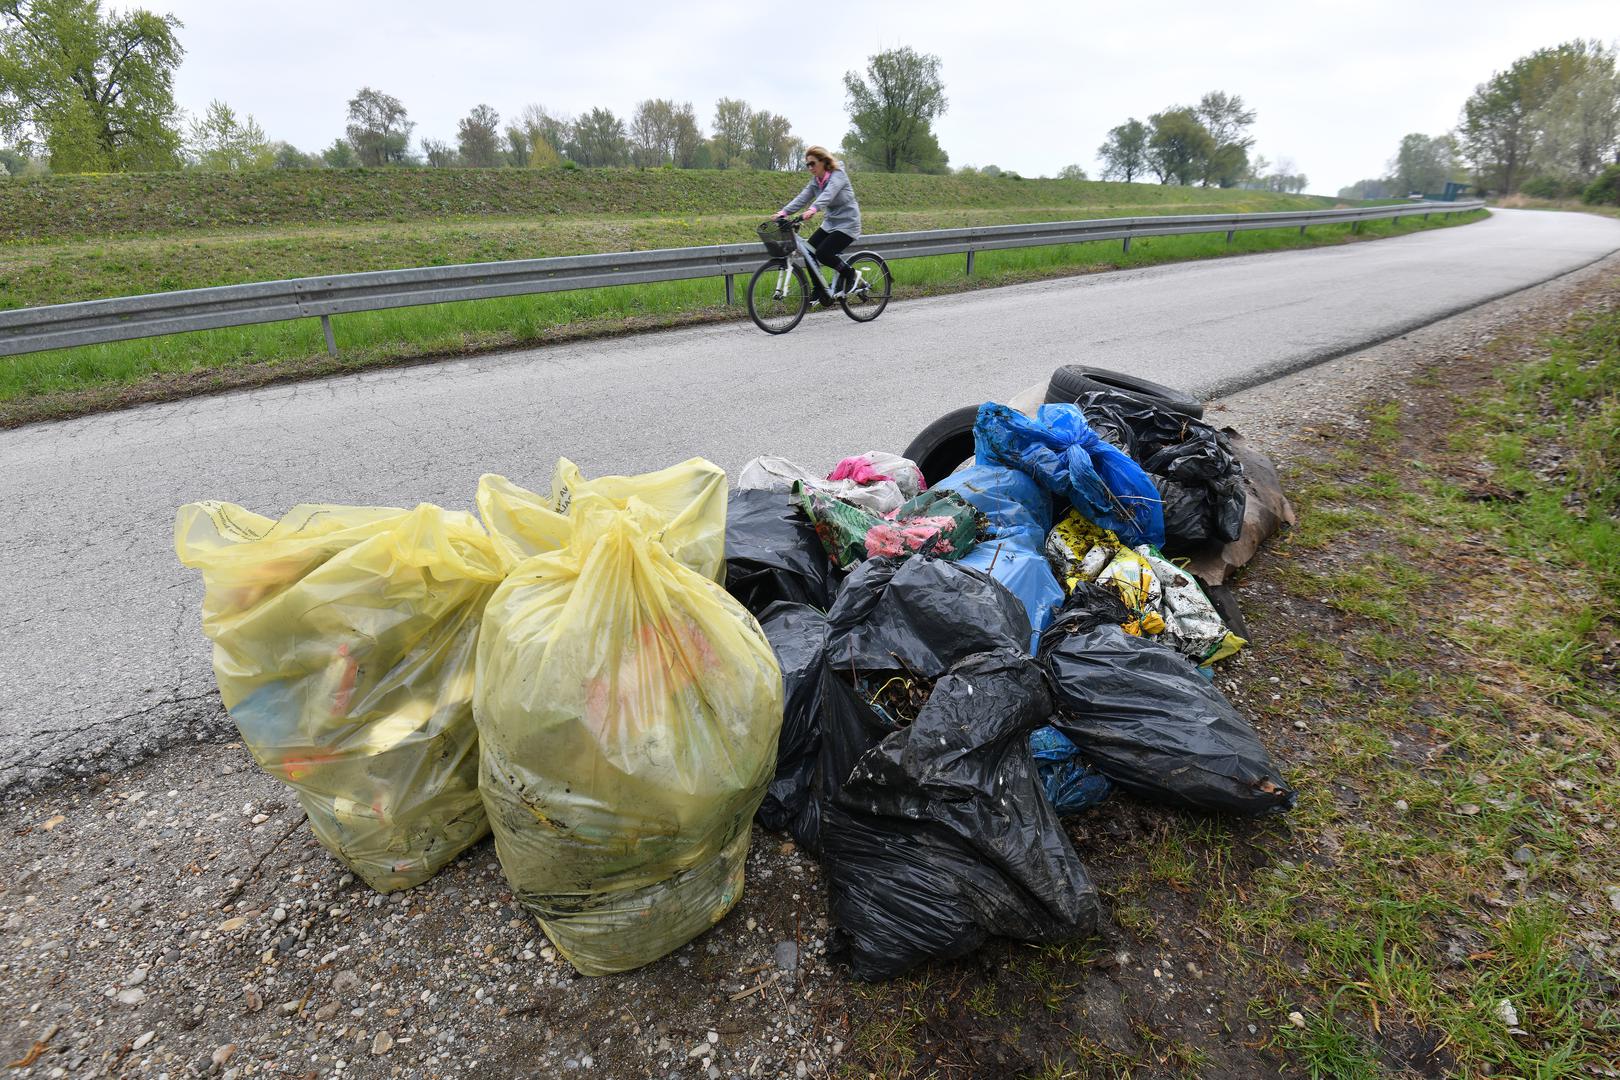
(828, 191)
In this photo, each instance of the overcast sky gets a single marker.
(1033, 86)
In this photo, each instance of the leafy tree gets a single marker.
(517, 148)
(1516, 118)
(288, 156)
(439, 154)
(220, 142)
(1228, 166)
(771, 145)
(1124, 155)
(892, 110)
(1072, 172)
(1377, 188)
(1605, 190)
(1579, 124)
(538, 138)
(94, 88)
(1422, 164)
(1228, 121)
(599, 140)
(1179, 146)
(732, 122)
(379, 129)
(340, 155)
(478, 138)
(686, 139)
(1225, 118)
(1281, 178)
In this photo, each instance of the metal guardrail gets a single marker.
(93, 322)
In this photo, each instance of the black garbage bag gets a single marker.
(826, 726)
(919, 616)
(1091, 604)
(773, 553)
(1198, 476)
(894, 619)
(1142, 714)
(798, 637)
(941, 835)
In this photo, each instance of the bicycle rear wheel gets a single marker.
(869, 294)
(778, 296)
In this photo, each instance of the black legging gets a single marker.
(827, 245)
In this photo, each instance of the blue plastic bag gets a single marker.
(1065, 457)
(1018, 562)
(1070, 784)
(1020, 515)
(1011, 500)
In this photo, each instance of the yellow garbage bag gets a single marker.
(628, 710)
(689, 500)
(344, 642)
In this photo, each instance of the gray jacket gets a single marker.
(836, 201)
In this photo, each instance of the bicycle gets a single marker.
(779, 291)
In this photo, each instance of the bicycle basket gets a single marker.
(777, 236)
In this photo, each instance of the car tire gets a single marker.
(1072, 380)
(943, 446)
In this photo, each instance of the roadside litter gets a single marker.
(935, 523)
(344, 640)
(1062, 454)
(628, 710)
(874, 481)
(622, 674)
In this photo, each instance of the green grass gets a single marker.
(64, 382)
(1528, 591)
(99, 207)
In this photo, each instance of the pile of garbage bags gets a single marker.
(618, 676)
(947, 707)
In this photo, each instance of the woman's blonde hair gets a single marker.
(821, 155)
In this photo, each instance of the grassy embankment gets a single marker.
(64, 239)
(1436, 659)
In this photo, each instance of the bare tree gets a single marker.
(439, 154)
(652, 133)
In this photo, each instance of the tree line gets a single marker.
(1206, 144)
(1547, 126)
(87, 90)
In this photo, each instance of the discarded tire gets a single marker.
(943, 446)
(1070, 381)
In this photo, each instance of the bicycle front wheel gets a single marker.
(869, 293)
(778, 296)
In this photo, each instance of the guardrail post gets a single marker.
(731, 290)
(1302, 230)
(1355, 227)
(1425, 217)
(1229, 233)
(1127, 245)
(326, 328)
(970, 262)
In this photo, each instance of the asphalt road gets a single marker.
(101, 654)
